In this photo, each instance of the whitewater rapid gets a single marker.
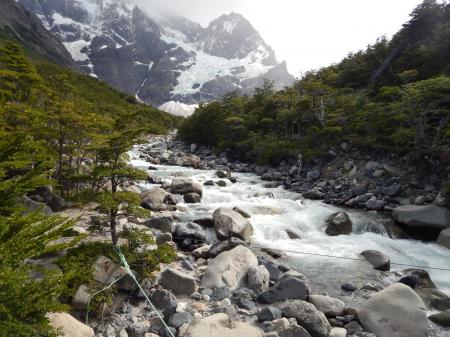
(273, 210)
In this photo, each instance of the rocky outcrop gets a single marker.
(229, 268)
(431, 216)
(396, 311)
(229, 223)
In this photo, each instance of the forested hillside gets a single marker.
(65, 130)
(395, 96)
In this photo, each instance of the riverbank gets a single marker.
(221, 285)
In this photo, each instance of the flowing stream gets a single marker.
(274, 210)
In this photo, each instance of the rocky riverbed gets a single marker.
(237, 273)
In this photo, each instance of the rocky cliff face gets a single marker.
(20, 25)
(165, 61)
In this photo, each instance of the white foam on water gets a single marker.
(271, 216)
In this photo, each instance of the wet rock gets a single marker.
(229, 223)
(293, 234)
(179, 282)
(229, 268)
(184, 186)
(349, 286)
(221, 183)
(68, 325)
(308, 317)
(179, 318)
(396, 311)
(313, 195)
(243, 212)
(224, 246)
(378, 260)
(154, 199)
(220, 325)
(269, 313)
(434, 298)
(411, 281)
(442, 318)
(205, 222)
(190, 230)
(208, 183)
(258, 279)
(192, 198)
(288, 288)
(431, 216)
(223, 174)
(162, 222)
(338, 224)
(424, 278)
(294, 331)
(444, 238)
(328, 305)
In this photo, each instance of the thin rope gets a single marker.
(129, 271)
(98, 292)
(346, 258)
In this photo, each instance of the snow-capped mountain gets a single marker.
(166, 61)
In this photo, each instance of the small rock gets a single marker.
(338, 224)
(349, 286)
(338, 332)
(180, 283)
(192, 198)
(269, 313)
(378, 260)
(328, 305)
(258, 279)
(180, 318)
(288, 288)
(444, 238)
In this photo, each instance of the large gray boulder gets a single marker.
(185, 186)
(68, 325)
(444, 238)
(154, 199)
(396, 311)
(308, 317)
(423, 216)
(338, 224)
(162, 222)
(229, 268)
(179, 282)
(220, 325)
(328, 305)
(229, 223)
(285, 289)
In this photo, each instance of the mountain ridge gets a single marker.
(161, 59)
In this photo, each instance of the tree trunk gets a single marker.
(112, 221)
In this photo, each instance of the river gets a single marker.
(274, 210)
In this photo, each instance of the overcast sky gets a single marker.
(308, 34)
